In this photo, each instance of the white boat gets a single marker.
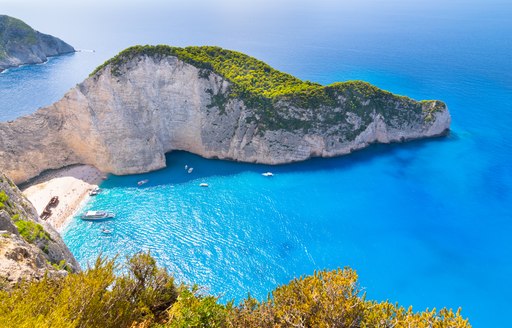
(141, 182)
(106, 231)
(203, 185)
(95, 191)
(186, 167)
(97, 215)
(268, 174)
(190, 170)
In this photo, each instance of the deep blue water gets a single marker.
(424, 223)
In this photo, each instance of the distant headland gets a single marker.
(20, 44)
(217, 103)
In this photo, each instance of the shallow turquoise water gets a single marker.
(425, 223)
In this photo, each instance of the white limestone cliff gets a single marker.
(20, 44)
(125, 123)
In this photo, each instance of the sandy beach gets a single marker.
(71, 185)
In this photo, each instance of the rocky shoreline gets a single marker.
(30, 247)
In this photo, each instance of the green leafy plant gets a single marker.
(3, 199)
(31, 231)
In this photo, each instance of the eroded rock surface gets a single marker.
(29, 247)
(125, 121)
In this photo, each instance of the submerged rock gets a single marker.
(212, 102)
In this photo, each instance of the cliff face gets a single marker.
(29, 247)
(20, 44)
(124, 118)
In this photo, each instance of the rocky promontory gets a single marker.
(150, 100)
(20, 44)
(29, 247)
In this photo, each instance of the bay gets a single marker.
(424, 223)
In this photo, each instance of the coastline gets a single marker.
(5, 68)
(70, 184)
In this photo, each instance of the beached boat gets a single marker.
(203, 185)
(268, 174)
(95, 191)
(97, 215)
(141, 182)
(48, 209)
(46, 214)
(54, 201)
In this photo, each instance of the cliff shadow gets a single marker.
(86, 173)
(180, 162)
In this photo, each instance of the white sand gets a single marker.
(71, 185)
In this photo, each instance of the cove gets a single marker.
(378, 210)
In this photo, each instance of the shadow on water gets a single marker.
(175, 172)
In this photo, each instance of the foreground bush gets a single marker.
(147, 296)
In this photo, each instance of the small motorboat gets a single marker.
(95, 191)
(97, 215)
(190, 170)
(268, 174)
(203, 185)
(106, 231)
(141, 182)
(186, 167)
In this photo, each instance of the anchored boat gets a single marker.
(141, 182)
(97, 215)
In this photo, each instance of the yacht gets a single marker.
(141, 182)
(97, 215)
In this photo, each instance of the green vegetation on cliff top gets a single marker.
(145, 295)
(261, 87)
(248, 74)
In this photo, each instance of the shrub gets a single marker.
(31, 231)
(94, 298)
(194, 310)
(143, 295)
(3, 199)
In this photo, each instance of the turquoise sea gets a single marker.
(425, 223)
